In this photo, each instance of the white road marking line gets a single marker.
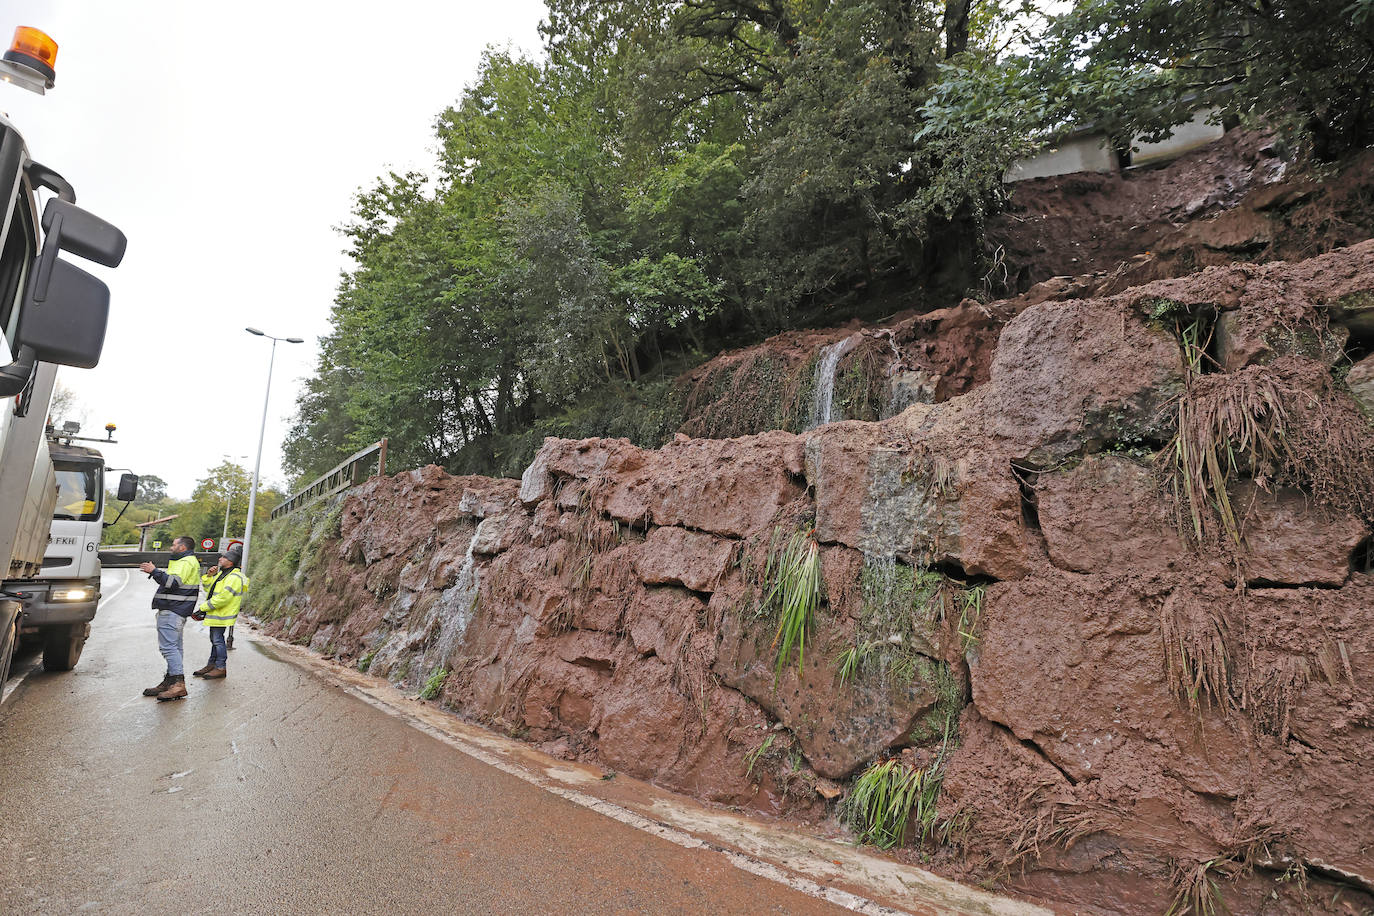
(108, 598)
(15, 682)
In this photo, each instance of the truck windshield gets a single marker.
(78, 493)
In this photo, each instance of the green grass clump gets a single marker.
(852, 660)
(366, 661)
(884, 799)
(752, 758)
(897, 624)
(970, 603)
(434, 684)
(940, 722)
(791, 587)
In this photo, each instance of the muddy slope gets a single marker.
(1126, 696)
(1234, 200)
(1069, 237)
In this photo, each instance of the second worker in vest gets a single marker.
(224, 587)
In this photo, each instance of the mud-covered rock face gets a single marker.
(1004, 593)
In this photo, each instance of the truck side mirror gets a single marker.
(82, 233)
(65, 309)
(128, 488)
(66, 326)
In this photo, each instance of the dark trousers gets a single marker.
(219, 653)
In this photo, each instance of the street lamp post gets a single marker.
(228, 504)
(262, 431)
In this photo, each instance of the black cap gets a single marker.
(234, 553)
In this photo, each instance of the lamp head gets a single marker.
(255, 331)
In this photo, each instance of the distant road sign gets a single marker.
(157, 545)
(207, 543)
(233, 542)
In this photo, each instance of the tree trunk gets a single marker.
(956, 26)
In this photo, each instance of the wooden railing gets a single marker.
(348, 473)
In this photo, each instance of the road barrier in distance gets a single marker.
(129, 559)
(348, 473)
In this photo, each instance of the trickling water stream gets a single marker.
(455, 610)
(434, 639)
(823, 398)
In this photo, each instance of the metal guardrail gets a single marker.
(129, 559)
(347, 474)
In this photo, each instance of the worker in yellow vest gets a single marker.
(177, 591)
(224, 586)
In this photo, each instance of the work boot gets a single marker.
(154, 691)
(214, 673)
(200, 672)
(175, 691)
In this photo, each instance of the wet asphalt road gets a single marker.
(272, 792)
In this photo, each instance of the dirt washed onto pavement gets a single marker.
(1111, 593)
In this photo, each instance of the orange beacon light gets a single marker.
(31, 60)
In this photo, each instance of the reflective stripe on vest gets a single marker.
(179, 591)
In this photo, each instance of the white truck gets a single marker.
(52, 314)
(61, 600)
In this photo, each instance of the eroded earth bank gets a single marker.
(1095, 567)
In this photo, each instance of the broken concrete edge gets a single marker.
(839, 873)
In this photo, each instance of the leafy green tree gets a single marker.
(673, 177)
(151, 488)
(1306, 66)
(221, 494)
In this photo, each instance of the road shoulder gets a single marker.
(839, 873)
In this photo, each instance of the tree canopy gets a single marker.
(674, 177)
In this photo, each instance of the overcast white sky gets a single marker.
(227, 140)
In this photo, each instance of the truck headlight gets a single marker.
(72, 594)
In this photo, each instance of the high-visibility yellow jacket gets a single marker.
(223, 595)
(176, 585)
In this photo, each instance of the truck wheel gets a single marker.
(62, 646)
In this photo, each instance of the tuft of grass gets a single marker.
(792, 591)
(852, 660)
(1198, 893)
(940, 722)
(434, 684)
(884, 799)
(1279, 423)
(1224, 428)
(752, 758)
(366, 661)
(1197, 660)
(970, 602)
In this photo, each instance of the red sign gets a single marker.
(207, 543)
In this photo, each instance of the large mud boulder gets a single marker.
(1074, 377)
(919, 488)
(1153, 700)
(1109, 514)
